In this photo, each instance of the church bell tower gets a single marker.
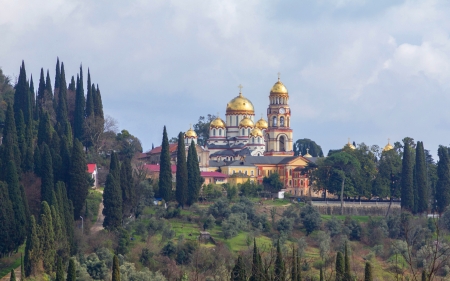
(278, 136)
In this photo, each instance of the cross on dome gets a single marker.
(240, 88)
(279, 76)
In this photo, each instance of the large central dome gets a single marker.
(240, 105)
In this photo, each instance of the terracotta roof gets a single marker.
(213, 174)
(91, 168)
(172, 147)
(155, 168)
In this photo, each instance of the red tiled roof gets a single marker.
(155, 168)
(91, 168)
(213, 174)
(172, 147)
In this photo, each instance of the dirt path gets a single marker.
(16, 271)
(98, 225)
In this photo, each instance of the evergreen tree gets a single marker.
(10, 146)
(321, 274)
(421, 179)
(12, 276)
(299, 269)
(61, 244)
(116, 269)
(238, 272)
(47, 178)
(347, 273)
(47, 238)
(64, 127)
(66, 214)
(59, 270)
(18, 205)
(71, 272)
(7, 221)
(165, 172)
(33, 99)
(37, 161)
(114, 166)
(126, 184)
(368, 272)
(257, 269)
(98, 105)
(41, 95)
(407, 194)
(22, 97)
(340, 267)
(79, 109)
(279, 270)
(294, 269)
(45, 130)
(89, 97)
(194, 179)
(182, 172)
(57, 76)
(48, 87)
(20, 128)
(443, 182)
(78, 179)
(22, 270)
(112, 202)
(32, 249)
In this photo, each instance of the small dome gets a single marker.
(190, 133)
(279, 88)
(217, 123)
(256, 133)
(349, 145)
(307, 155)
(246, 122)
(240, 105)
(388, 146)
(262, 124)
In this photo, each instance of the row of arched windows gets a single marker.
(236, 119)
(278, 100)
(214, 132)
(282, 121)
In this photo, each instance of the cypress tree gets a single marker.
(194, 179)
(368, 272)
(12, 276)
(40, 94)
(32, 249)
(65, 159)
(78, 179)
(20, 128)
(64, 127)
(45, 130)
(347, 273)
(22, 98)
(47, 178)
(280, 270)
(22, 270)
(71, 272)
(238, 272)
(10, 142)
(59, 270)
(37, 161)
(182, 172)
(89, 97)
(57, 76)
(112, 202)
(7, 221)
(339, 267)
(98, 105)
(257, 269)
(61, 244)
(17, 202)
(443, 182)
(48, 87)
(126, 184)
(421, 179)
(115, 269)
(79, 109)
(294, 269)
(114, 166)
(321, 274)
(66, 213)
(72, 85)
(33, 99)
(47, 238)
(165, 172)
(407, 194)
(55, 151)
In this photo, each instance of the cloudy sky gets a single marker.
(368, 70)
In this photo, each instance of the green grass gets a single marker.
(13, 262)
(339, 217)
(93, 201)
(276, 202)
(185, 228)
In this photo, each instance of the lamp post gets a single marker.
(82, 225)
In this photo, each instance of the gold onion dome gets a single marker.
(388, 146)
(240, 105)
(351, 146)
(246, 122)
(256, 132)
(190, 133)
(217, 123)
(279, 88)
(307, 155)
(262, 124)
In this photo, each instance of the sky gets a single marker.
(364, 70)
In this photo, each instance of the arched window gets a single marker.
(251, 173)
(290, 172)
(231, 119)
(282, 121)
(214, 132)
(220, 132)
(259, 140)
(248, 131)
(282, 147)
(243, 132)
(237, 120)
(274, 121)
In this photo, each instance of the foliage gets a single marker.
(443, 183)
(165, 174)
(181, 192)
(273, 183)
(202, 128)
(195, 181)
(303, 146)
(310, 218)
(112, 201)
(233, 224)
(407, 178)
(78, 179)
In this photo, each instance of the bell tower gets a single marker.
(278, 136)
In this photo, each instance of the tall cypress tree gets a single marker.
(112, 202)
(294, 269)
(33, 98)
(79, 109)
(443, 182)
(165, 172)
(37, 161)
(64, 127)
(7, 221)
(114, 166)
(116, 269)
(421, 179)
(279, 270)
(340, 267)
(194, 179)
(257, 270)
(57, 76)
(182, 172)
(368, 272)
(126, 184)
(18, 204)
(20, 127)
(22, 97)
(78, 179)
(10, 147)
(347, 273)
(32, 249)
(89, 97)
(238, 272)
(299, 269)
(48, 86)
(59, 270)
(71, 271)
(66, 214)
(47, 177)
(45, 130)
(98, 105)
(47, 238)
(321, 274)
(40, 94)
(407, 179)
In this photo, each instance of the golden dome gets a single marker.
(262, 124)
(388, 146)
(256, 132)
(217, 123)
(351, 146)
(240, 105)
(246, 122)
(190, 133)
(307, 155)
(279, 88)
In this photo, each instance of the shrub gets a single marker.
(334, 226)
(310, 218)
(234, 224)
